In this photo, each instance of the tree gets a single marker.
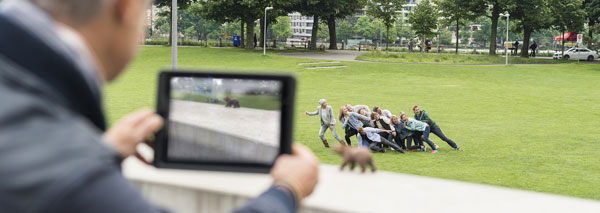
(364, 27)
(344, 30)
(335, 9)
(482, 35)
(386, 11)
(458, 11)
(181, 4)
(323, 32)
(530, 16)
(592, 12)
(496, 7)
(282, 29)
(567, 16)
(424, 19)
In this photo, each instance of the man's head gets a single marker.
(403, 117)
(377, 109)
(349, 107)
(416, 110)
(111, 28)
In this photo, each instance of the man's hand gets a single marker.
(332, 127)
(306, 113)
(299, 171)
(131, 130)
(394, 134)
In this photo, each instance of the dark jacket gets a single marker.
(52, 158)
(401, 131)
(425, 118)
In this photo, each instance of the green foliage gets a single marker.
(530, 16)
(365, 28)
(452, 58)
(567, 15)
(282, 28)
(386, 11)
(345, 30)
(323, 32)
(424, 19)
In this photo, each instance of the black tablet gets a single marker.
(223, 121)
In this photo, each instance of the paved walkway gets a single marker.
(338, 55)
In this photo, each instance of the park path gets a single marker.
(337, 55)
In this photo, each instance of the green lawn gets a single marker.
(452, 58)
(529, 127)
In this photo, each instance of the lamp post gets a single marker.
(265, 32)
(507, 24)
(174, 34)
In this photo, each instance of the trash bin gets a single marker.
(236, 41)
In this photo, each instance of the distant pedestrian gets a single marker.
(516, 44)
(533, 47)
(255, 41)
(327, 121)
(411, 44)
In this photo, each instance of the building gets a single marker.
(407, 9)
(301, 26)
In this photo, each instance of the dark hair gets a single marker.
(415, 107)
(375, 108)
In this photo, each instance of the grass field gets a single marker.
(529, 127)
(264, 102)
(453, 59)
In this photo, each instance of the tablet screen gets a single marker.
(224, 120)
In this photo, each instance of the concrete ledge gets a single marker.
(204, 191)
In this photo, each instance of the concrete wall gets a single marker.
(344, 191)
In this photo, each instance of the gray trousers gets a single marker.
(334, 132)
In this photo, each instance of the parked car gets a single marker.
(577, 54)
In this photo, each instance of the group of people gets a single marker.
(533, 48)
(379, 129)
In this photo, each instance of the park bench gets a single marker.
(360, 45)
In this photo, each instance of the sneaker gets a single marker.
(457, 148)
(393, 149)
(424, 148)
(414, 150)
(437, 147)
(434, 151)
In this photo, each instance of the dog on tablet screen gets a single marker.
(232, 102)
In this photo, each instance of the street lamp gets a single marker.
(507, 24)
(174, 35)
(265, 32)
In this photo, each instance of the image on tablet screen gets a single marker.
(224, 120)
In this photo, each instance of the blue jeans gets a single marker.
(425, 135)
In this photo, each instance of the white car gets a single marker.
(577, 54)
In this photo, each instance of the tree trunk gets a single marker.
(313, 37)
(262, 33)
(457, 32)
(170, 26)
(591, 24)
(494, 33)
(387, 37)
(526, 37)
(332, 34)
(242, 44)
(250, 34)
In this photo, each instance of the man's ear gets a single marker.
(121, 10)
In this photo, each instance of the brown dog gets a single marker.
(352, 156)
(232, 102)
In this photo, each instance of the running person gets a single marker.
(327, 121)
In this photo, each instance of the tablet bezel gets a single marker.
(162, 108)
